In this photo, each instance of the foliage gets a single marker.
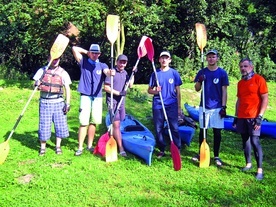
(238, 28)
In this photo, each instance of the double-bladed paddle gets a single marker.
(204, 154)
(112, 26)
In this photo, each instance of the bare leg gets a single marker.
(58, 142)
(91, 134)
(81, 136)
(117, 135)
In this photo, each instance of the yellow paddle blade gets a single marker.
(201, 36)
(204, 156)
(4, 151)
(59, 46)
(111, 150)
(112, 27)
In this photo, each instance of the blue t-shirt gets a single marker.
(213, 86)
(168, 80)
(119, 81)
(92, 77)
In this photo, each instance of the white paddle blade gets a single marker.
(59, 46)
(201, 35)
(112, 27)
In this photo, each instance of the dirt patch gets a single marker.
(25, 179)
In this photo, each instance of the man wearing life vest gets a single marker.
(54, 103)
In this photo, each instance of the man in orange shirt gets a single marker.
(250, 107)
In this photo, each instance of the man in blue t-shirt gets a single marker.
(169, 86)
(93, 73)
(215, 81)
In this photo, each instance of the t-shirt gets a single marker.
(168, 80)
(92, 77)
(119, 81)
(213, 84)
(249, 95)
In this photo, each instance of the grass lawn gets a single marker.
(65, 180)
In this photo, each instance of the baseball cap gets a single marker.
(213, 51)
(122, 57)
(165, 53)
(95, 48)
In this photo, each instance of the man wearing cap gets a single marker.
(120, 79)
(169, 86)
(92, 77)
(215, 80)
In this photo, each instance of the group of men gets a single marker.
(164, 85)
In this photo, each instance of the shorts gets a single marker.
(91, 109)
(48, 113)
(121, 114)
(212, 118)
(246, 126)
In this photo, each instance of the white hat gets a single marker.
(165, 53)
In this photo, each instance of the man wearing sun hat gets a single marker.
(93, 73)
(169, 81)
(215, 80)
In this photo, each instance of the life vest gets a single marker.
(52, 81)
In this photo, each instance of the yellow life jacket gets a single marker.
(52, 81)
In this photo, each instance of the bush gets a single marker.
(9, 73)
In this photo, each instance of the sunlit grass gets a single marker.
(29, 180)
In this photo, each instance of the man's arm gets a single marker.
(264, 104)
(224, 95)
(77, 52)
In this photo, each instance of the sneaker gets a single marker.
(195, 158)
(218, 161)
(78, 152)
(259, 176)
(246, 168)
(91, 149)
(42, 152)
(161, 154)
(123, 154)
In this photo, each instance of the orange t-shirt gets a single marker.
(249, 95)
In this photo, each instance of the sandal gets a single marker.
(123, 154)
(58, 151)
(42, 152)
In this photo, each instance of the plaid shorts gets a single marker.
(48, 113)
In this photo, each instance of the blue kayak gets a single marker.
(186, 133)
(267, 129)
(137, 139)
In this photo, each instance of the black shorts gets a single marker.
(246, 126)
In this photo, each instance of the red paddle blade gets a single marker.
(175, 157)
(141, 50)
(149, 48)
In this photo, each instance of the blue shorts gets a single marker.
(48, 113)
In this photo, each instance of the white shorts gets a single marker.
(91, 109)
(212, 118)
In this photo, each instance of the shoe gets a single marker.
(78, 152)
(42, 152)
(195, 158)
(161, 154)
(259, 176)
(123, 154)
(218, 161)
(91, 149)
(246, 168)
(58, 151)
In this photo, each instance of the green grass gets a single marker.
(29, 180)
